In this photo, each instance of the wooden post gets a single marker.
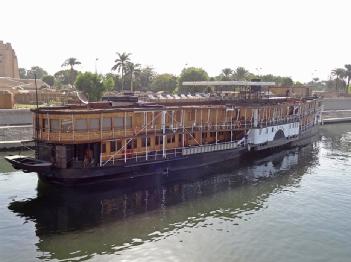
(146, 138)
(164, 133)
(48, 128)
(73, 128)
(216, 125)
(125, 137)
(201, 124)
(231, 125)
(183, 136)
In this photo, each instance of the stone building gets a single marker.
(8, 61)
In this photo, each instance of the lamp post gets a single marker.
(96, 59)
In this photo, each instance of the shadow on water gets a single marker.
(105, 219)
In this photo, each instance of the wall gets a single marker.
(8, 61)
(15, 117)
(337, 103)
(6, 100)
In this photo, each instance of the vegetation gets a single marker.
(30, 73)
(164, 82)
(135, 77)
(48, 79)
(71, 62)
(93, 85)
(192, 74)
(121, 64)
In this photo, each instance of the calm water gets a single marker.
(292, 206)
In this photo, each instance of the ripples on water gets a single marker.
(290, 206)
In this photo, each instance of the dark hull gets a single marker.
(172, 167)
(168, 167)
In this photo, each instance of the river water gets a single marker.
(291, 206)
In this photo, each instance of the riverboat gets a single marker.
(129, 136)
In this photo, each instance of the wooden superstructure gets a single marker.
(115, 132)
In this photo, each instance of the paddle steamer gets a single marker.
(128, 136)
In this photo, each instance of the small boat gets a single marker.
(29, 164)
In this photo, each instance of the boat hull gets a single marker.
(171, 167)
(166, 167)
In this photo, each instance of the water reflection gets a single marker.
(105, 219)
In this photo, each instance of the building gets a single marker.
(8, 61)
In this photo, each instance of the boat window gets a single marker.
(81, 125)
(132, 143)
(180, 138)
(45, 124)
(113, 146)
(106, 123)
(170, 139)
(103, 148)
(119, 144)
(118, 122)
(159, 140)
(54, 125)
(66, 125)
(191, 115)
(145, 141)
(94, 124)
(128, 122)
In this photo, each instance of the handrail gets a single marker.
(169, 152)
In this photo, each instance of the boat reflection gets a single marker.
(107, 218)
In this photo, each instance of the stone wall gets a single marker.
(16, 133)
(341, 103)
(15, 117)
(8, 61)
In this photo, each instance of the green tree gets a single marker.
(116, 79)
(192, 74)
(241, 74)
(348, 74)
(36, 70)
(339, 73)
(108, 83)
(131, 71)
(146, 76)
(121, 64)
(93, 85)
(64, 77)
(226, 73)
(286, 81)
(50, 80)
(164, 82)
(22, 73)
(71, 62)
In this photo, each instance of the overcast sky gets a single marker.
(301, 39)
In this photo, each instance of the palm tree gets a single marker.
(340, 74)
(348, 75)
(121, 64)
(131, 70)
(227, 73)
(71, 62)
(241, 73)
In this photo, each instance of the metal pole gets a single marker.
(36, 118)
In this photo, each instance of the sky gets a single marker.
(300, 39)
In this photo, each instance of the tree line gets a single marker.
(128, 75)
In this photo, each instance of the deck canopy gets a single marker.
(227, 83)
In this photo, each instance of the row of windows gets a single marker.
(116, 145)
(94, 124)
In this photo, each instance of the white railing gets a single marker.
(143, 156)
